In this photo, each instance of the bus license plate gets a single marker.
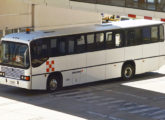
(12, 82)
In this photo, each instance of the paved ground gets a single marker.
(109, 100)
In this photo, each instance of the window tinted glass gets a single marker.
(62, 46)
(99, 41)
(71, 46)
(154, 34)
(109, 40)
(161, 32)
(99, 37)
(90, 42)
(90, 38)
(146, 35)
(81, 46)
(54, 47)
(118, 39)
(133, 37)
(39, 52)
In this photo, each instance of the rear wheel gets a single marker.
(128, 71)
(53, 83)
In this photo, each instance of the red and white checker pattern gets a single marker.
(145, 17)
(50, 66)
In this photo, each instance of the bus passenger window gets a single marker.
(90, 42)
(99, 37)
(118, 42)
(81, 47)
(62, 49)
(161, 33)
(154, 34)
(109, 36)
(109, 40)
(53, 48)
(100, 41)
(39, 52)
(146, 35)
(131, 38)
(71, 46)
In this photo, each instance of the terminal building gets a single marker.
(16, 15)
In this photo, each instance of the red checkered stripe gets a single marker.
(50, 66)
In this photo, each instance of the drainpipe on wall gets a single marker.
(33, 16)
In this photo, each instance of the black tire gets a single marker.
(53, 83)
(128, 72)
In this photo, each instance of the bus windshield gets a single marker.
(14, 54)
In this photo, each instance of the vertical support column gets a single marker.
(33, 16)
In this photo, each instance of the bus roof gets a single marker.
(26, 38)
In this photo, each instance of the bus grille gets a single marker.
(12, 72)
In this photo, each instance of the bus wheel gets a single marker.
(128, 71)
(53, 83)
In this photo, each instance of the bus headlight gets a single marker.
(2, 74)
(27, 78)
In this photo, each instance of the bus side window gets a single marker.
(154, 34)
(71, 46)
(118, 40)
(53, 48)
(109, 40)
(161, 33)
(39, 52)
(99, 41)
(146, 35)
(91, 42)
(62, 46)
(131, 37)
(81, 45)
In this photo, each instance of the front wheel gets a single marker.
(128, 71)
(53, 84)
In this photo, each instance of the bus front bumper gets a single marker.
(15, 83)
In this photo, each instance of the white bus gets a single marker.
(70, 56)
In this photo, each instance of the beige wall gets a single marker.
(49, 17)
(14, 14)
(17, 14)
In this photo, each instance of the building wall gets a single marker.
(50, 17)
(16, 15)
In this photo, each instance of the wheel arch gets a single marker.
(59, 75)
(131, 62)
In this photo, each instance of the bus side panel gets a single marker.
(73, 69)
(113, 70)
(96, 73)
(115, 55)
(162, 53)
(38, 77)
(95, 66)
(114, 61)
(133, 53)
(151, 57)
(39, 82)
(69, 62)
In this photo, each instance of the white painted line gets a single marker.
(89, 98)
(83, 95)
(142, 110)
(160, 117)
(157, 113)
